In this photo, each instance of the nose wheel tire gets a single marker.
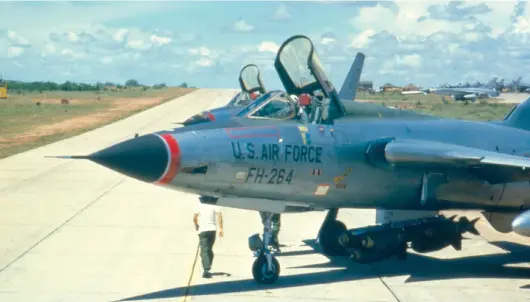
(329, 238)
(261, 273)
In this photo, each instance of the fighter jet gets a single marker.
(520, 87)
(499, 86)
(332, 162)
(471, 93)
(251, 85)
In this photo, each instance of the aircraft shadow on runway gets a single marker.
(418, 267)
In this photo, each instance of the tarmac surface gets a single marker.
(71, 230)
(513, 98)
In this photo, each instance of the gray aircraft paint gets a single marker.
(359, 163)
(341, 150)
(487, 90)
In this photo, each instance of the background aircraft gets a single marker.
(251, 85)
(470, 93)
(520, 87)
(332, 162)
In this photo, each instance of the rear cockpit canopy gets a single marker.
(250, 79)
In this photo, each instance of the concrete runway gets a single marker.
(75, 231)
(513, 98)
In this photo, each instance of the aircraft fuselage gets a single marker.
(325, 166)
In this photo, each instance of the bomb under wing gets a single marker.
(376, 243)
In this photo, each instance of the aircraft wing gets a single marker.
(493, 167)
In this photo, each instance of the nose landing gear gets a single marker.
(266, 268)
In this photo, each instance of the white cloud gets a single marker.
(413, 60)
(431, 45)
(107, 60)
(452, 47)
(472, 37)
(243, 26)
(49, 49)
(326, 41)
(522, 25)
(204, 62)
(72, 54)
(120, 34)
(35, 22)
(138, 44)
(268, 46)
(17, 39)
(203, 51)
(499, 19)
(160, 40)
(281, 13)
(362, 39)
(14, 51)
(73, 37)
(403, 22)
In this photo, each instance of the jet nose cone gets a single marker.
(521, 224)
(149, 158)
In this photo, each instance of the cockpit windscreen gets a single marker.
(294, 57)
(256, 103)
(249, 76)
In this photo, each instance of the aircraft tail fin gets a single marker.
(519, 117)
(348, 90)
(492, 83)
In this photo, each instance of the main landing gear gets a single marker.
(330, 231)
(266, 268)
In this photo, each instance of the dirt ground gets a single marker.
(53, 130)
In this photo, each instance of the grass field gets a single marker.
(33, 119)
(481, 110)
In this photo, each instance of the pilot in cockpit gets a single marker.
(254, 95)
(303, 107)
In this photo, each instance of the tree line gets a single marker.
(73, 86)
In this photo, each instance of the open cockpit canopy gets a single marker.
(250, 79)
(301, 72)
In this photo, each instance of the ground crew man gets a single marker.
(275, 225)
(205, 218)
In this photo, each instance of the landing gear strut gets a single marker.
(266, 268)
(330, 231)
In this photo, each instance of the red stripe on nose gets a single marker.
(174, 162)
(211, 116)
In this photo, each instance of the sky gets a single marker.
(205, 44)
